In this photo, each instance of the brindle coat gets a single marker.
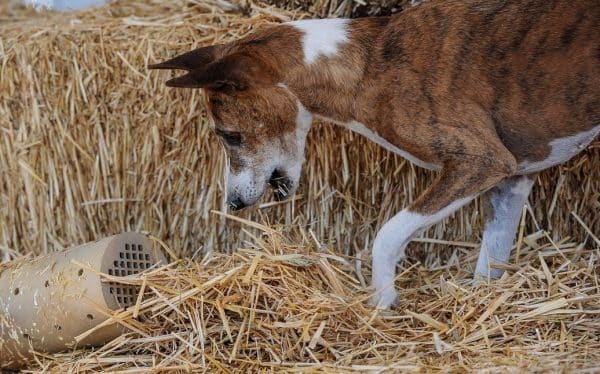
(488, 92)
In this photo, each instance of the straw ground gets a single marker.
(276, 306)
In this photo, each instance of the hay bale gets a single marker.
(345, 8)
(93, 144)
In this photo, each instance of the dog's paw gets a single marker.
(385, 299)
(479, 280)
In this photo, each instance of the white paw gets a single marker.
(479, 280)
(486, 276)
(384, 299)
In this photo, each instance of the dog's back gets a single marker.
(531, 67)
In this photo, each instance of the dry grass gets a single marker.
(92, 144)
(290, 308)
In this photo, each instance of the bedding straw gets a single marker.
(279, 306)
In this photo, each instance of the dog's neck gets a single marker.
(330, 65)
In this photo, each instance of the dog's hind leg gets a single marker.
(502, 208)
(457, 184)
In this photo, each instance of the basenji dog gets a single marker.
(485, 92)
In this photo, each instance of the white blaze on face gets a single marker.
(322, 37)
(250, 183)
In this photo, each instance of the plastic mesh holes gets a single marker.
(132, 260)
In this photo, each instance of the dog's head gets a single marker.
(262, 125)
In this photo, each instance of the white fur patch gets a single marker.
(361, 129)
(304, 119)
(391, 242)
(563, 149)
(507, 200)
(522, 187)
(246, 185)
(322, 37)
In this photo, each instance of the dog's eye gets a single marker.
(232, 138)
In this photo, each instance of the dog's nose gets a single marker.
(281, 185)
(276, 178)
(237, 204)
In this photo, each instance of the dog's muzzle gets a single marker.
(282, 185)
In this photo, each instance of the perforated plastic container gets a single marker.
(46, 302)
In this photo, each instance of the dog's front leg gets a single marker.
(454, 187)
(390, 244)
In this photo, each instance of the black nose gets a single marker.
(237, 204)
(281, 185)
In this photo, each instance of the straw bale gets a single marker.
(346, 8)
(93, 144)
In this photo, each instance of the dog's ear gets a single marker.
(234, 72)
(196, 59)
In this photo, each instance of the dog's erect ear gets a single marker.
(235, 72)
(196, 59)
